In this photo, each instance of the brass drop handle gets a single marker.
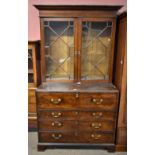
(97, 101)
(56, 123)
(56, 115)
(97, 114)
(96, 125)
(56, 101)
(56, 136)
(77, 95)
(96, 136)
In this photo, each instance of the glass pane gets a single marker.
(96, 48)
(30, 66)
(59, 49)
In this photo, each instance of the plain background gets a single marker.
(13, 77)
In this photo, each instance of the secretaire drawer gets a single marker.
(76, 137)
(104, 101)
(56, 100)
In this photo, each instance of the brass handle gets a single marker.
(97, 114)
(56, 115)
(97, 101)
(76, 112)
(96, 136)
(56, 101)
(96, 125)
(76, 95)
(56, 123)
(56, 136)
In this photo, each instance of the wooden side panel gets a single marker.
(32, 116)
(120, 81)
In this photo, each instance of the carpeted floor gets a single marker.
(33, 149)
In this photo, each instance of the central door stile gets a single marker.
(79, 41)
(77, 47)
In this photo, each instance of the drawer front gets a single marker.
(104, 101)
(58, 125)
(56, 100)
(98, 101)
(76, 115)
(58, 137)
(96, 115)
(95, 137)
(64, 125)
(96, 126)
(73, 137)
(58, 115)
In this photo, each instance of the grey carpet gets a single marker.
(33, 149)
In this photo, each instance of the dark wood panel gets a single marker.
(120, 80)
(79, 14)
(78, 7)
(122, 136)
(120, 51)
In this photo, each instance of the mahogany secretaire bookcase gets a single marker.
(77, 103)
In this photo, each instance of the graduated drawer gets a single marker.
(75, 137)
(56, 100)
(96, 126)
(76, 114)
(104, 101)
(64, 125)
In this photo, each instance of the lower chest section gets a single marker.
(77, 117)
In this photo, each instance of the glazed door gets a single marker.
(77, 49)
(59, 47)
(97, 47)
